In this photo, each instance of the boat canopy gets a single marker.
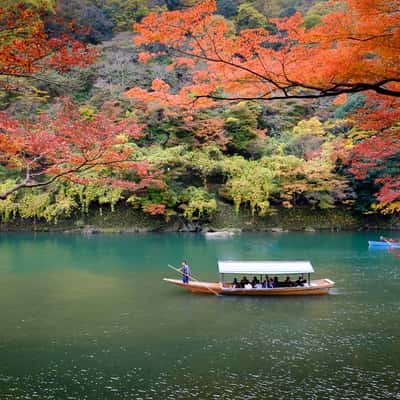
(265, 267)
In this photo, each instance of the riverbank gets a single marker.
(280, 220)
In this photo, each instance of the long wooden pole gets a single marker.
(195, 279)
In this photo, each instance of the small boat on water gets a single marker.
(259, 268)
(219, 235)
(384, 244)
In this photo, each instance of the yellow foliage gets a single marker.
(386, 208)
(312, 126)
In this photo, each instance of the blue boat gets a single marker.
(382, 244)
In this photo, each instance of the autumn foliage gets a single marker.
(201, 127)
(353, 49)
(68, 145)
(379, 157)
(27, 50)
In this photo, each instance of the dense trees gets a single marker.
(302, 149)
(249, 17)
(123, 13)
(379, 158)
(350, 47)
(95, 26)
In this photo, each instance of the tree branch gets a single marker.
(28, 183)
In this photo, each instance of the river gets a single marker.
(89, 317)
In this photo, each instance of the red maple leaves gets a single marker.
(354, 49)
(71, 146)
(380, 156)
(27, 50)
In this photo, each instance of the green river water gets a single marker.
(89, 317)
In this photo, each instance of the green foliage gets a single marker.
(179, 160)
(313, 126)
(165, 196)
(318, 9)
(249, 183)
(197, 204)
(82, 13)
(87, 111)
(306, 138)
(353, 102)
(8, 207)
(275, 8)
(123, 13)
(59, 201)
(249, 17)
(241, 122)
(311, 20)
(36, 204)
(39, 4)
(313, 182)
(227, 8)
(287, 179)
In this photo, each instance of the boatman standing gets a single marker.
(185, 272)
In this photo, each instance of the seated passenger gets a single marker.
(243, 282)
(235, 284)
(270, 283)
(288, 282)
(299, 282)
(248, 285)
(265, 283)
(255, 281)
(276, 282)
(258, 285)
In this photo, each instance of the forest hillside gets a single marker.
(110, 117)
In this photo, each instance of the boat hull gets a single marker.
(317, 287)
(386, 245)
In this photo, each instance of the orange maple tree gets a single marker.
(27, 50)
(67, 145)
(354, 49)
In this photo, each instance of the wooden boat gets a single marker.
(384, 244)
(260, 268)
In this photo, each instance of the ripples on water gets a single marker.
(280, 382)
(102, 336)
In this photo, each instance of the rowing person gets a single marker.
(185, 272)
(389, 241)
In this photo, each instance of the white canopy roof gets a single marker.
(265, 267)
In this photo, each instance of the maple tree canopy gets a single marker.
(353, 49)
(27, 50)
(68, 145)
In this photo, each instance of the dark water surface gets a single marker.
(90, 318)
